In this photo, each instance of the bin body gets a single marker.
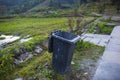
(63, 44)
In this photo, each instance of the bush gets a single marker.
(8, 54)
(82, 46)
(6, 65)
(104, 29)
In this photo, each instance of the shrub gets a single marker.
(82, 46)
(8, 54)
(6, 65)
(104, 29)
(2, 38)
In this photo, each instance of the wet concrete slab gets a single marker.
(108, 71)
(97, 39)
(115, 41)
(109, 67)
(110, 56)
(113, 47)
(87, 39)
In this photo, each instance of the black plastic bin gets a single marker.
(62, 45)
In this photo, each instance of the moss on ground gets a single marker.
(32, 26)
(100, 28)
(40, 67)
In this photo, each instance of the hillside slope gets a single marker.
(41, 5)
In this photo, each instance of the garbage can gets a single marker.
(62, 45)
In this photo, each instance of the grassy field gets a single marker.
(32, 26)
(39, 67)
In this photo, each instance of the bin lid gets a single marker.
(66, 36)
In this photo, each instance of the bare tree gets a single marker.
(78, 28)
(70, 24)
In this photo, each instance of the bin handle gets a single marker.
(50, 43)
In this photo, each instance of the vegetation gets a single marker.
(36, 19)
(40, 66)
(86, 50)
(38, 28)
(32, 26)
(24, 27)
(2, 38)
(10, 7)
(100, 28)
(9, 54)
(16, 7)
(76, 25)
(105, 29)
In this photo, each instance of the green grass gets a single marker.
(39, 29)
(41, 64)
(103, 29)
(32, 26)
(8, 54)
(86, 50)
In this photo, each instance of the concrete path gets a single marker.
(109, 67)
(97, 39)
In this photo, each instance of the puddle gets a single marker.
(8, 39)
(25, 40)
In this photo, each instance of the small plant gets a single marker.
(6, 65)
(105, 29)
(82, 46)
(102, 28)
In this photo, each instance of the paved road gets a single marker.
(109, 67)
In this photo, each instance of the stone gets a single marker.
(45, 43)
(106, 17)
(38, 49)
(102, 44)
(95, 40)
(23, 58)
(19, 79)
(87, 39)
(110, 25)
(115, 18)
(72, 62)
(96, 14)
(30, 78)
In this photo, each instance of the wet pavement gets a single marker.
(109, 67)
(97, 39)
(8, 39)
(25, 40)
